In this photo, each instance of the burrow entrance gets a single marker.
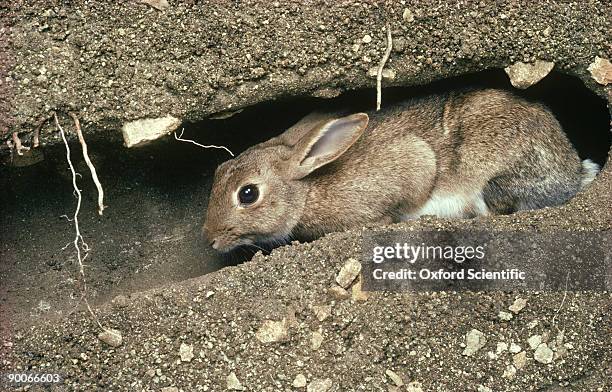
(157, 196)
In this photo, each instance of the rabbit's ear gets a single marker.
(324, 143)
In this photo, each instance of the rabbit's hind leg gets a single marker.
(511, 192)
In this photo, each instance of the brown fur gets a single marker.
(459, 154)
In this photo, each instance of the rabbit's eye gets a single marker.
(248, 194)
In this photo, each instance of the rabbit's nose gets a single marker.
(214, 244)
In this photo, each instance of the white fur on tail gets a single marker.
(589, 172)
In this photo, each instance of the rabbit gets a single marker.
(457, 154)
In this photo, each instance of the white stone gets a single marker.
(397, 380)
(319, 385)
(186, 352)
(601, 70)
(510, 372)
(534, 341)
(112, 337)
(543, 354)
(299, 381)
(515, 348)
(272, 331)
(414, 386)
(474, 341)
(233, 383)
(518, 305)
(504, 316)
(523, 75)
(348, 273)
(316, 340)
(139, 132)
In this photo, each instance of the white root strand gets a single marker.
(180, 138)
(381, 67)
(78, 237)
(17, 143)
(92, 169)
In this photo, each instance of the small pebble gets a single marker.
(299, 381)
(233, 383)
(112, 337)
(397, 380)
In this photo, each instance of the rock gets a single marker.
(520, 360)
(408, 16)
(601, 70)
(474, 341)
(322, 311)
(524, 75)
(348, 273)
(316, 340)
(414, 386)
(272, 331)
(186, 352)
(319, 385)
(169, 389)
(534, 341)
(543, 354)
(357, 294)
(140, 132)
(159, 5)
(338, 293)
(515, 348)
(504, 316)
(518, 305)
(509, 372)
(233, 383)
(397, 380)
(299, 381)
(366, 39)
(386, 73)
(501, 347)
(150, 373)
(482, 388)
(112, 337)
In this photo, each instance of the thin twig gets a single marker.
(78, 237)
(180, 138)
(381, 67)
(92, 169)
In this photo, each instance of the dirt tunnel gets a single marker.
(157, 194)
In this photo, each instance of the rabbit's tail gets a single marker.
(589, 171)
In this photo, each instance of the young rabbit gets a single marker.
(459, 154)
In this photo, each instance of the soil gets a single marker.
(151, 277)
